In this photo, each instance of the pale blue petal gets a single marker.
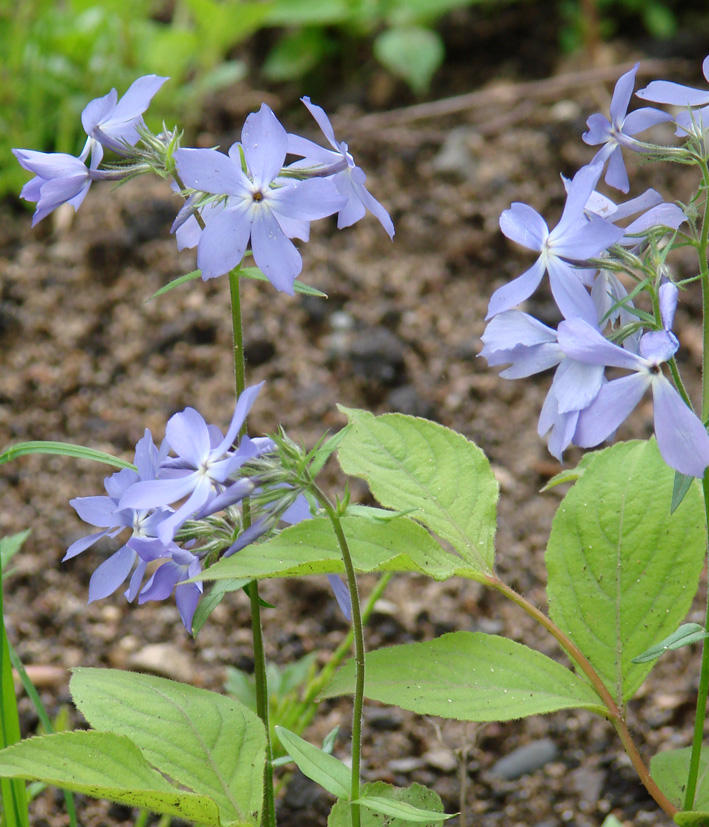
(342, 594)
(265, 143)
(664, 91)
(571, 297)
(111, 573)
(209, 170)
(153, 493)
(274, 253)
(622, 94)
(668, 295)
(223, 241)
(599, 130)
(682, 439)
(188, 436)
(644, 118)
(615, 401)
(582, 341)
(523, 224)
(243, 406)
(576, 385)
(517, 290)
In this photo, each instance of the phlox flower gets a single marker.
(64, 179)
(106, 513)
(529, 347)
(339, 164)
(59, 179)
(200, 470)
(575, 239)
(260, 207)
(618, 132)
(676, 94)
(681, 437)
(180, 564)
(114, 123)
(654, 213)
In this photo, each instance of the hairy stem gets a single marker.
(268, 815)
(613, 713)
(703, 688)
(358, 631)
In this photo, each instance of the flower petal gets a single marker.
(614, 403)
(517, 290)
(682, 439)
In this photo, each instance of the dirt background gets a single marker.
(84, 359)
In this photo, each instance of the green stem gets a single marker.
(33, 695)
(613, 713)
(268, 816)
(702, 694)
(703, 689)
(358, 631)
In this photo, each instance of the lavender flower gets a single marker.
(59, 179)
(201, 470)
(260, 207)
(681, 437)
(665, 91)
(106, 513)
(339, 164)
(114, 123)
(574, 239)
(618, 131)
(64, 179)
(530, 347)
(180, 564)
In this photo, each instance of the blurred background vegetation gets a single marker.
(56, 55)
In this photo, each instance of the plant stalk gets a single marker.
(358, 630)
(613, 713)
(268, 815)
(703, 689)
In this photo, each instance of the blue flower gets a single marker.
(260, 207)
(575, 239)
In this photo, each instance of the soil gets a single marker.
(86, 360)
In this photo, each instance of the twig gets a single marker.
(509, 93)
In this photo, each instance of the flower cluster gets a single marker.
(248, 200)
(587, 256)
(193, 476)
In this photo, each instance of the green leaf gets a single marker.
(61, 449)
(686, 634)
(399, 809)
(103, 765)
(13, 795)
(412, 463)
(210, 601)
(9, 546)
(320, 767)
(416, 796)
(298, 286)
(622, 571)
(468, 676)
(310, 547)
(308, 12)
(205, 741)
(611, 821)
(569, 474)
(296, 54)
(680, 486)
(670, 769)
(412, 53)
(692, 818)
(247, 272)
(195, 274)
